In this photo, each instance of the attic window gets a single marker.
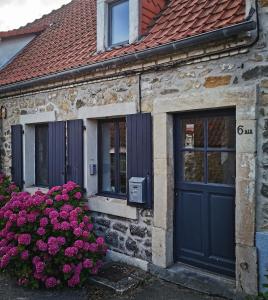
(118, 22)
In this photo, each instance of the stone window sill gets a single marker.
(112, 206)
(33, 189)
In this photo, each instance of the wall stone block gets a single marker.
(120, 227)
(264, 83)
(112, 238)
(131, 245)
(103, 222)
(265, 147)
(217, 81)
(264, 3)
(247, 276)
(264, 225)
(255, 73)
(264, 190)
(246, 142)
(138, 231)
(245, 221)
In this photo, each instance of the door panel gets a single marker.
(190, 222)
(221, 209)
(204, 150)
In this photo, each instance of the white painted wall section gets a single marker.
(28, 122)
(10, 47)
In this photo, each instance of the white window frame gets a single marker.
(103, 22)
(91, 115)
(28, 122)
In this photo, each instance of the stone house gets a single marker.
(158, 109)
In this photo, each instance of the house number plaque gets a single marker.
(241, 130)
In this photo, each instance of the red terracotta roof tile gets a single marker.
(67, 36)
(23, 31)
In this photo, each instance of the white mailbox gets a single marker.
(137, 190)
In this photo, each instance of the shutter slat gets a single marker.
(17, 155)
(56, 153)
(139, 143)
(75, 151)
(139, 150)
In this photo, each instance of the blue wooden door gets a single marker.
(205, 190)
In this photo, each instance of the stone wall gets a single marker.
(65, 102)
(131, 237)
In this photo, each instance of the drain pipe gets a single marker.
(140, 97)
(212, 36)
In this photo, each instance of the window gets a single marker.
(208, 149)
(112, 157)
(118, 22)
(41, 155)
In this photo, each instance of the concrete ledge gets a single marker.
(112, 206)
(195, 279)
(129, 260)
(108, 110)
(43, 117)
(33, 190)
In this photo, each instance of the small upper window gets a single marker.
(118, 22)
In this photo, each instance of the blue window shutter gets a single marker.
(56, 153)
(75, 151)
(139, 151)
(17, 157)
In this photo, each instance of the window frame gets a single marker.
(110, 21)
(117, 159)
(37, 184)
(205, 116)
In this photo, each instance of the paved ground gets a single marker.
(152, 289)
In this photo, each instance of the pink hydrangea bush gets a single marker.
(47, 239)
(6, 189)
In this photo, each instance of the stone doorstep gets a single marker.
(196, 279)
(129, 279)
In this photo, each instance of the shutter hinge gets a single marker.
(22, 131)
(84, 127)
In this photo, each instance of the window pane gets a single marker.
(221, 132)
(193, 133)
(122, 155)
(221, 167)
(108, 157)
(41, 155)
(193, 166)
(119, 15)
